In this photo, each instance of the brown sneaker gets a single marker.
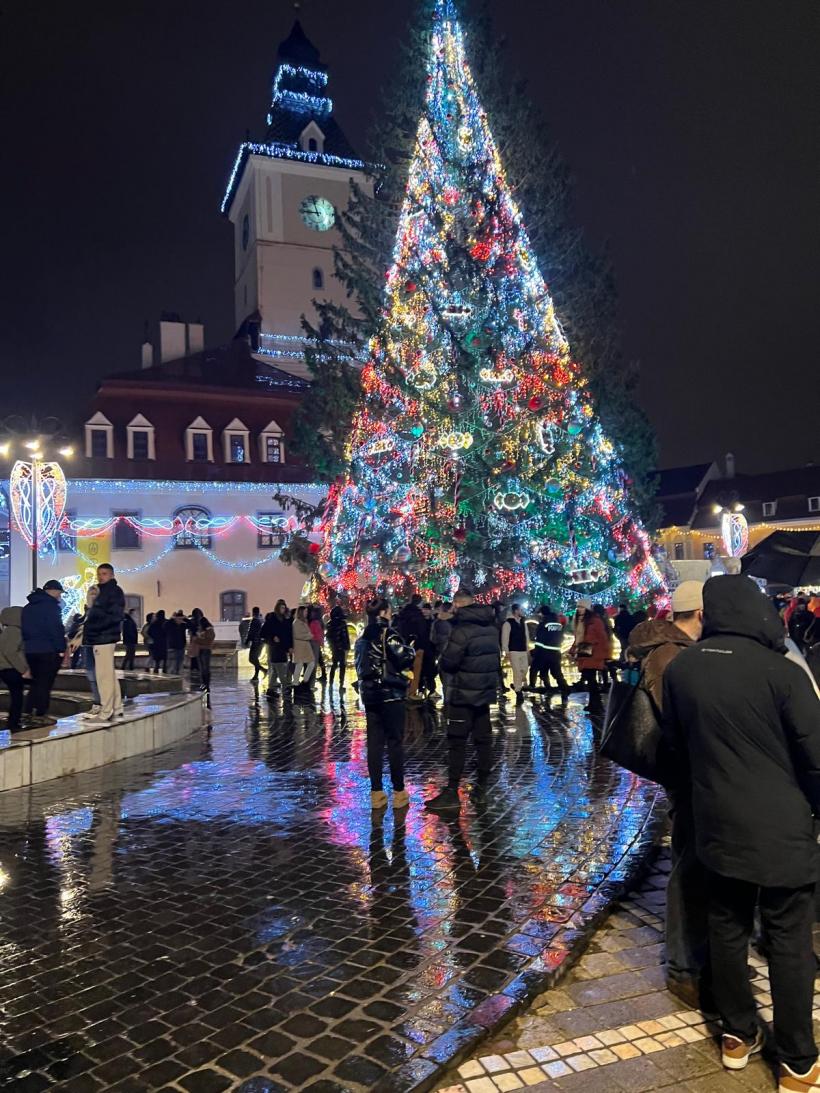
(798, 1083)
(735, 1053)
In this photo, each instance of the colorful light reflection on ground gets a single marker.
(237, 894)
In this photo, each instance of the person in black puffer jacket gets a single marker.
(471, 669)
(415, 630)
(743, 725)
(382, 659)
(338, 639)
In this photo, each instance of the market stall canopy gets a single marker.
(789, 558)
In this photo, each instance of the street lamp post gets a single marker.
(31, 516)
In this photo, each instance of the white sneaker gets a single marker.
(89, 715)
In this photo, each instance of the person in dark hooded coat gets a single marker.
(471, 670)
(746, 724)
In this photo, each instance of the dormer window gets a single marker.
(199, 442)
(99, 437)
(236, 440)
(814, 504)
(312, 139)
(770, 508)
(140, 434)
(272, 444)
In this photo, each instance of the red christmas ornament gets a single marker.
(314, 548)
(410, 287)
(535, 403)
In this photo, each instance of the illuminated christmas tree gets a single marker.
(476, 454)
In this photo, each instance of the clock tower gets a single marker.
(283, 199)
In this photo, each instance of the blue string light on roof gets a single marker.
(154, 485)
(279, 150)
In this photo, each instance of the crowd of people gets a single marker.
(168, 641)
(731, 679)
(35, 643)
(731, 676)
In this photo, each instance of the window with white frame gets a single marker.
(193, 529)
(199, 442)
(814, 504)
(770, 508)
(99, 437)
(272, 444)
(236, 440)
(233, 605)
(140, 433)
(270, 534)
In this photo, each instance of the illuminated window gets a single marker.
(272, 537)
(190, 535)
(236, 442)
(709, 551)
(272, 444)
(237, 448)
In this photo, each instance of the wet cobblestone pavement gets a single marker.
(611, 1025)
(229, 914)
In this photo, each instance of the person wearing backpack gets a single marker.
(382, 659)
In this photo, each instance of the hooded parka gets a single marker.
(748, 722)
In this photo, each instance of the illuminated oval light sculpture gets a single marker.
(734, 530)
(47, 508)
(511, 500)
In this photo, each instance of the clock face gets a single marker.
(246, 232)
(317, 213)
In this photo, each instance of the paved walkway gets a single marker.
(230, 915)
(611, 1026)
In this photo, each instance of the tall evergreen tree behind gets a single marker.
(580, 282)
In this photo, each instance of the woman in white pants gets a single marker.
(304, 658)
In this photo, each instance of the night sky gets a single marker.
(692, 128)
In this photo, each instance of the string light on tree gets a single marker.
(476, 452)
